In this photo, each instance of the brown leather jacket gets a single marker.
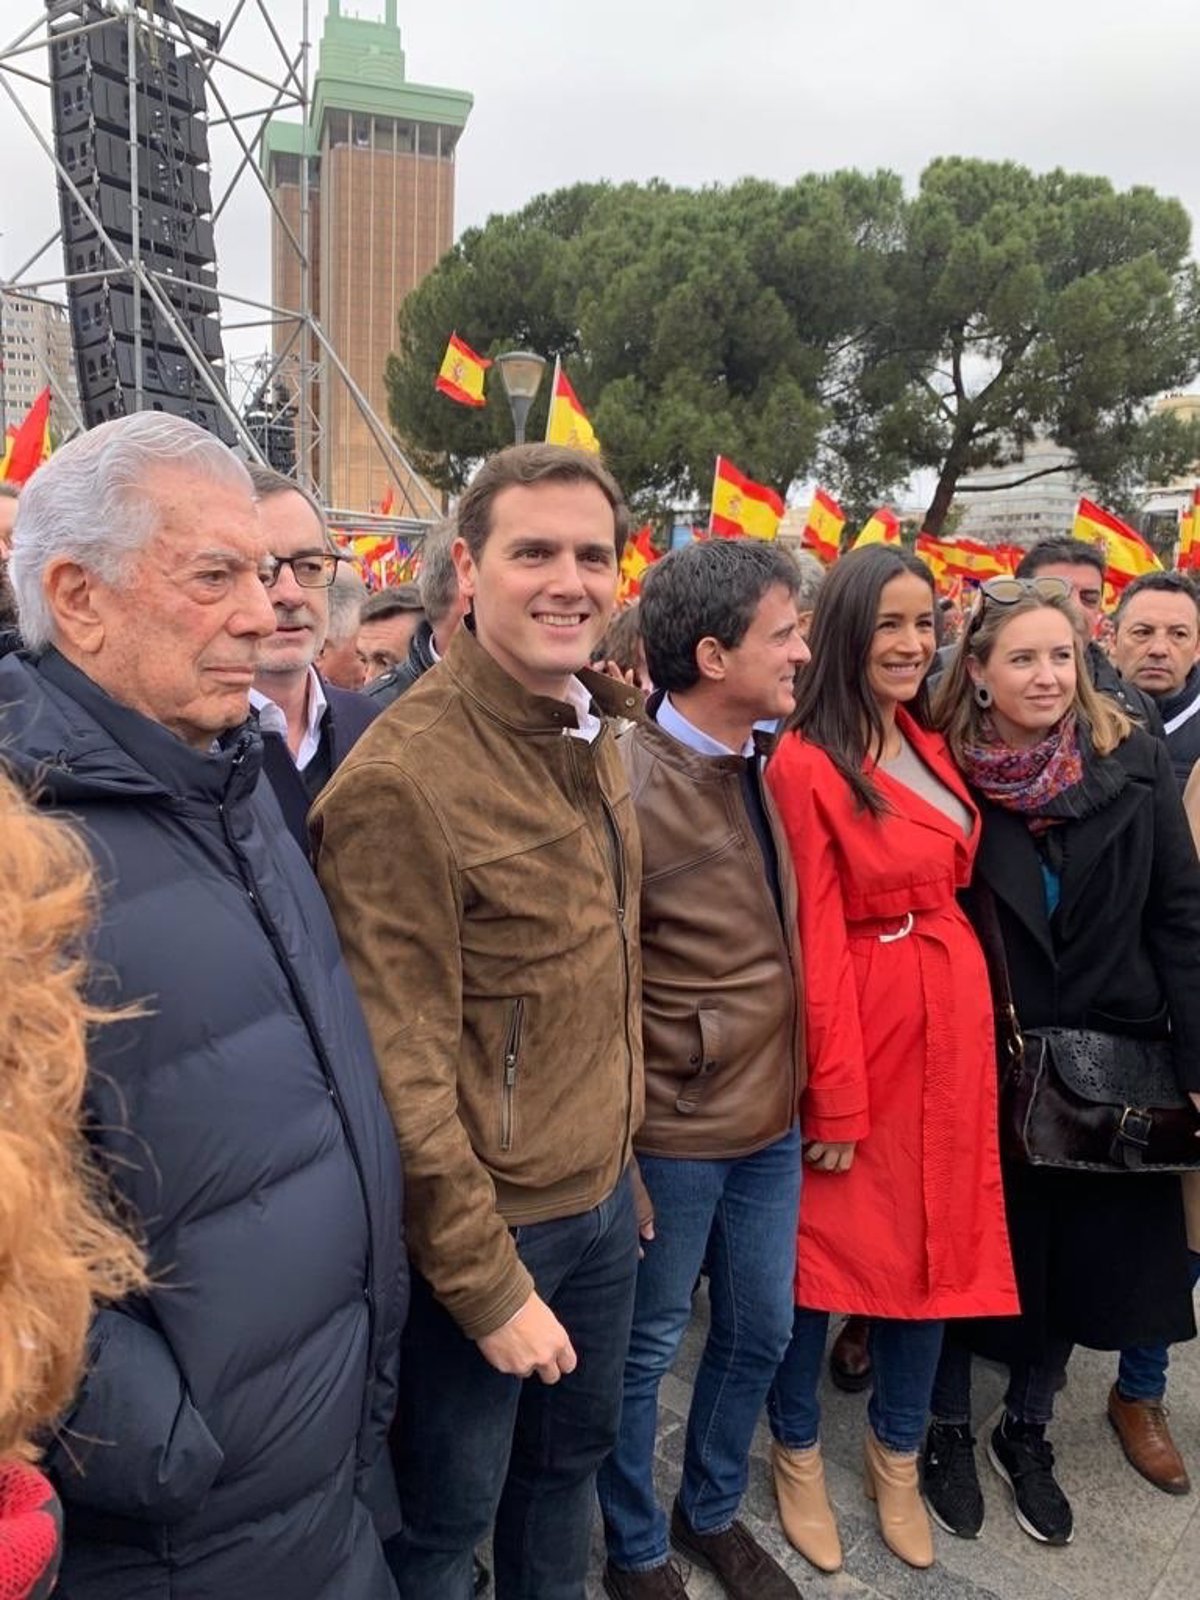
(722, 1018)
(483, 870)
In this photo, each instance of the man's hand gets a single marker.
(830, 1157)
(643, 1208)
(533, 1340)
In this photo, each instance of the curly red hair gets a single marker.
(60, 1246)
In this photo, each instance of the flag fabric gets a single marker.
(742, 508)
(932, 552)
(1189, 535)
(637, 558)
(971, 558)
(31, 442)
(881, 527)
(10, 433)
(823, 529)
(566, 421)
(461, 373)
(1126, 553)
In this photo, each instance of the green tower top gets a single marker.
(360, 68)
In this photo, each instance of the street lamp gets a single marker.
(521, 374)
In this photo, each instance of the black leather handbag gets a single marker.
(1082, 1100)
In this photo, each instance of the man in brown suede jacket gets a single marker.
(480, 854)
(719, 1149)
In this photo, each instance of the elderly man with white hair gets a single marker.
(228, 1431)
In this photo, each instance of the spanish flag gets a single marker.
(881, 527)
(933, 553)
(742, 508)
(1189, 535)
(566, 421)
(970, 558)
(31, 443)
(1126, 553)
(823, 530)
(638, 557)
(461, 373)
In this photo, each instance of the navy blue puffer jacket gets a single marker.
(231, 1420)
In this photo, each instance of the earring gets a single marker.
(983, 696)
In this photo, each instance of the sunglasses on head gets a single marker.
(1007, 591)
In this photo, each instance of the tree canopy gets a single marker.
(832, 325)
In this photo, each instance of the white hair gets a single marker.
(347, 594)
(89, 503)
(437, 581)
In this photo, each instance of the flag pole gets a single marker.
(553, 392)
(713, 501)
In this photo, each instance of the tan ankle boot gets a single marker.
(891, 1481)
(804, 1508)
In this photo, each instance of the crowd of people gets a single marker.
(409, 1002)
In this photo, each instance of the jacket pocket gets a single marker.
(508, 1082)
(705, 1061)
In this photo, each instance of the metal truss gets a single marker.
(228, 79)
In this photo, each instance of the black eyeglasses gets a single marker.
(310, 572)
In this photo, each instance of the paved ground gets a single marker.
(1131, 1542)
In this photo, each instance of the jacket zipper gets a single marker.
(512, 1055)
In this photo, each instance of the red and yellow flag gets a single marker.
(566, 421)
(637, 558)
(823, 530)
(933, 553)
(881, 527)
(461, 373)
(1126, 553)
(1188, 558)
(30, 444)
(742, 508)
(971, 558)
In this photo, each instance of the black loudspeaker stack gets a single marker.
(93, 137)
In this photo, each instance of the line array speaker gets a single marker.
(170, 229)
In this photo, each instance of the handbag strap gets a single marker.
(991, 941)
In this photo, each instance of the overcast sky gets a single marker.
(708, 91)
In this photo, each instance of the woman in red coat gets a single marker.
(902, 1209)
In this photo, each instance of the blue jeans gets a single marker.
(475, 1447)
(743, 1214)
(1142, 1372)
(904, 1357)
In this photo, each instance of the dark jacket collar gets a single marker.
(83, 743)
(481, 677)
(1171, 704)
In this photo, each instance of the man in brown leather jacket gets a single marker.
(480, 854)
(719, 1150)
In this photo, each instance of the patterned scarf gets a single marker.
(1029, 780)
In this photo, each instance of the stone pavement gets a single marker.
(1131, 1541)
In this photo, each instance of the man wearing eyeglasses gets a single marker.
(308, 725)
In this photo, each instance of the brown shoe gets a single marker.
(804, 1510)
(1141, 1426)
(740, 1565)
(850, 1358)
(659, 1583)
(891, 1481)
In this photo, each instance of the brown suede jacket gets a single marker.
(483, 869)
(722, 1017)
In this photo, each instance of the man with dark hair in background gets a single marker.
(308, 726)
(444, 606)
(719, 1150)
(386, 627)
(1155, 646)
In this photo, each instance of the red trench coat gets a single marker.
(900, 1049)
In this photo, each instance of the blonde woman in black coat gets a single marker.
(1095, 884)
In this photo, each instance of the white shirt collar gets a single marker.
(580, 697)
(272, 719)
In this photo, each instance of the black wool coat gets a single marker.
(229, 1427)
(348, 715)
(1101, 1259)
